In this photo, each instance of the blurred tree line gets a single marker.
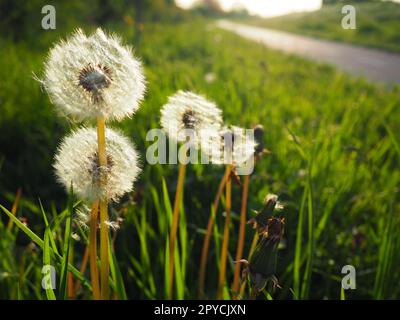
(22, 19)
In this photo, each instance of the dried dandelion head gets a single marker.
(91, 76)
(186, 111)
(77, 163)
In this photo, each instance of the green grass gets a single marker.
(334, 162)
(377, 24)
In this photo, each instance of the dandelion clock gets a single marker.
(94, 76)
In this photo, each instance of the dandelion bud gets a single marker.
(77, 163)
(260, 221)
(262, 264)
(91, 76)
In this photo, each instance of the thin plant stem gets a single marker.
(207, 238)
(174, 226)
(242, 229)
(84, 263)
(94, 271)
(252, 247)
(225, 241)
(104, 259)
(14, 207)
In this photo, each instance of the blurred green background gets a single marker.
(334, 143)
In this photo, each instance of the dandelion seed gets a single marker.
(91, 76)
(82, 216)
(114, 225)
(189, 111)
(75, 236)
(76, 163)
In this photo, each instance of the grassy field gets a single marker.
(334, 162)
(377, 24)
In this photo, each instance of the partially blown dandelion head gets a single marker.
(77, 164)
(91, 76)
(232, 145)
(186, 111)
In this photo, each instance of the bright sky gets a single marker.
(266, 8)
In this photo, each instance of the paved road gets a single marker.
(376, 65)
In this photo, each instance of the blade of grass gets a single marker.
(298, 247)
(46, 222)
(310, 210)
(168, 210)
(181, 254)
(47, 261)
(117, 276)
(174, 227)
(66, 251)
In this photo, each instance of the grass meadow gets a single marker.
(333, 162)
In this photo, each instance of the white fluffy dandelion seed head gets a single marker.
(76, 163)
(231, 145)
(91, 76)
(186, 111)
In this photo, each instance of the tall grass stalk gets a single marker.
(311, 240)
(225, 241)
(207, 238)
(105, 265)
(242, 229)
(174, 226)
(70, 280)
